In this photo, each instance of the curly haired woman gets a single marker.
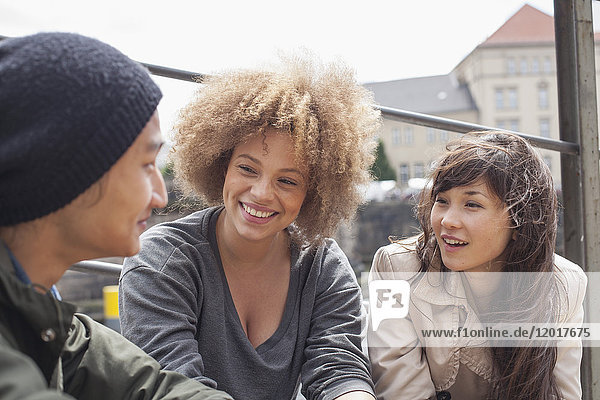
(491, 207)
(251, 295)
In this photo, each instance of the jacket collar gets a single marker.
(440, 288)
(6, 265)
(447, 289)
(35, 323)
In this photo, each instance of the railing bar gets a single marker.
(98, 267)
(464, 127)
(167, 72)
(174, 73)
(403, 115)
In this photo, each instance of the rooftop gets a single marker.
(431, 94)
(528, 25)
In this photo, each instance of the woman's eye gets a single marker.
(247, 169)
(473, 205)
(287, 182)
(440, 201)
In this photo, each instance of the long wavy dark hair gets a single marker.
(517, 175)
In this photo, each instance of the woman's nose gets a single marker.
(262, 189)
(451, 218)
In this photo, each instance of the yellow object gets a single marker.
(110, 295)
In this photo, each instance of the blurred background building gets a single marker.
(507, 82)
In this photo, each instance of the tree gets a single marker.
(381, 169)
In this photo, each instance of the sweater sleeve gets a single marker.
(160, 295)
(399, 363)
(99, 360)
(334, 361)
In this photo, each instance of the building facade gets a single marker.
(507, 82)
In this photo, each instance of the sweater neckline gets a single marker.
(290, 302)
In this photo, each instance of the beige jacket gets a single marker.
(405, 367)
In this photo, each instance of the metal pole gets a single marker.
(167, 72)
(568, 104)
(581, 178)
(568, 116)
(98, 267)
(588, 133)
(590, 171)
(174, 73)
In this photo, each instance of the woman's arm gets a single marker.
(357, 395)
(398, 362)
(335, 364)
(573, 281)
(159, 305)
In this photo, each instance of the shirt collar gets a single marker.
(22, 275)
(19, 271)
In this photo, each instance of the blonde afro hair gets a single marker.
(328, 115)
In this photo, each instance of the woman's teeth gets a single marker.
(254, 213)
(454, 242)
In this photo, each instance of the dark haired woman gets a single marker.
(491, 207)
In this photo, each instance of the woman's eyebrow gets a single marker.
(248, 156)
(294, 170)
(476, 192)
(255, 160)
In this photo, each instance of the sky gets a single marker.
(380, 39)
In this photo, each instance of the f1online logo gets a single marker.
(388, 299)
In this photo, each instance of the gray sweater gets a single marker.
(175, 304)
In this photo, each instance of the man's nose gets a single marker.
(159, 191)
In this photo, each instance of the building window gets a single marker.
(403, 174)
(547, 65)
(508, 124)
(523, 66)
(513, 103)
(430, 135)
(511, 68)
(544, 127)
(409, 137)
(419, 170)
(444, 136)
(535, 66)
(548, 162)
(543, 97)
(395, 137)
(499, 99)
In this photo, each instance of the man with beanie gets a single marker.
(79, 135)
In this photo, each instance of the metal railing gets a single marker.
(447, 124)
(97, 267)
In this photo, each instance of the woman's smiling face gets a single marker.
(264, 186)
(472, 227)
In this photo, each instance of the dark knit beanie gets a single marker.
(70, 106)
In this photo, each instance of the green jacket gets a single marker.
(48, 352)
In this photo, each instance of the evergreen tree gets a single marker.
(381, 168)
